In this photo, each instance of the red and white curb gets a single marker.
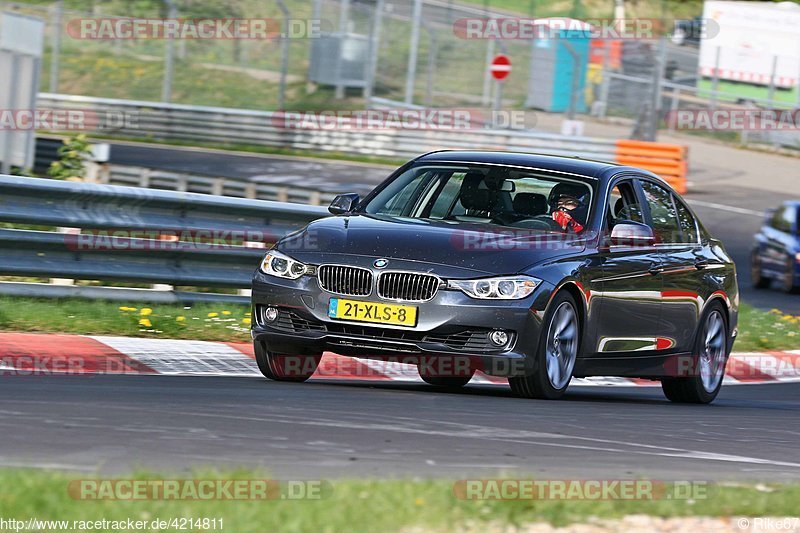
(30, 353)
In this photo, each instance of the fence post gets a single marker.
(344, 14)
(771, 94)
(284, 55)
(487, 76)
(432, 51)
(411, 73)
(56, 46)
(375, 40)
(169, 60)
(673, 108)
(715, 80)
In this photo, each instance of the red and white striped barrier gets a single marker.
(31, 353)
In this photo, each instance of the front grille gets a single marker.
(407, 286)
(350, 281)
(466, 341)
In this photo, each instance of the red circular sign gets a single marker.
(501, 66)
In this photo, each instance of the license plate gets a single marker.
(378, 313)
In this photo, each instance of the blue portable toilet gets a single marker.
(552, 65)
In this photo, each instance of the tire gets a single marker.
(285, 367)
(447, 383)
(788, 279)
(455, 377)
(559, 345)
(710, 357)
(757, 278)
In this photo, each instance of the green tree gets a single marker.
(72, 159)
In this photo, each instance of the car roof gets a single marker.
(601, 170)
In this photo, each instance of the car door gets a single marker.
(683, 262)
(631, 283)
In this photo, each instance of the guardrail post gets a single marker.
(251, 191)
(283, 194)
(314, 198)
(144, 177)
(65, 281)
(182, 183)
(218, 186)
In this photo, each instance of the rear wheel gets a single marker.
(711, 355)
(285, 367)
(556, 354)
(756, 275)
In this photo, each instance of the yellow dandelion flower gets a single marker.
(246, 321)
(180, 318)
(212, 315)
(123, 308)
(764, 340)
(226, 312)
(419, 501)
(146, 311)
(145, 322)
(775, 311)
(787, 317)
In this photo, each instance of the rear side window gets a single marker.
(664, 216)
(687, 223)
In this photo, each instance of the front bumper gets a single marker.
(450, 325)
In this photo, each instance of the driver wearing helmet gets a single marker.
(564, 213)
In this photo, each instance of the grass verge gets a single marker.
(758, 330)
(213, 322)
(365, 505)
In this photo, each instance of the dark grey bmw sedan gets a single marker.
(535, 268)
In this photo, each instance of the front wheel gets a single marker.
(756, 274)
(711, 356)
(788, 276)
(285, 367)
(556, 354)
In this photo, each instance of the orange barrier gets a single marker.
(670, 161)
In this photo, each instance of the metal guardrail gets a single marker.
(194, 240)
(238, 187)
(151, 120)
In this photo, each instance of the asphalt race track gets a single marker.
(323, 429)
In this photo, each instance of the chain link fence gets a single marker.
(346, 54)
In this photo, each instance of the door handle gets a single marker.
(700, 264)
(655, 270)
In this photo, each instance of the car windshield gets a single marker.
(501, 196)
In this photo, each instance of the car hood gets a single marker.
(448, 248)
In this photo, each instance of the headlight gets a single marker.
(504, 288)
(282, 266)
(797, 257)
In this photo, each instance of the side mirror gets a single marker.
(632, 234)
(343, 203)
(768, 214)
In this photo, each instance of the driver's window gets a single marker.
(623, 205)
